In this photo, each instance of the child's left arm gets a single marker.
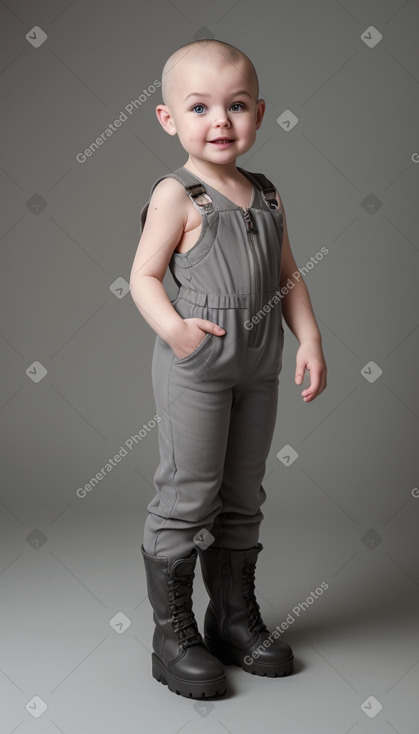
(298, 314)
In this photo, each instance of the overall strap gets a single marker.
(195, 190)
(266, 187)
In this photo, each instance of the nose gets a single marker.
(221, 119)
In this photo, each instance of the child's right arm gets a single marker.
(165, 223)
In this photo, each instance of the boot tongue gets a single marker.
(183, 568)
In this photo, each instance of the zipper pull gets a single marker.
(250, 225)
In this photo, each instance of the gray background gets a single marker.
(346, 511)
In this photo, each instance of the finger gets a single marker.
(316, 387)
(210, 326)
(300, 372)
(315, 382)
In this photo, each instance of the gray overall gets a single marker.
(218, 405)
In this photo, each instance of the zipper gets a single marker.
(257, 271)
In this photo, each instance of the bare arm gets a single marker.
(163, 229)
(299, 316)
(296, 305)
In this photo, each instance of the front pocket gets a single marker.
(202, 344)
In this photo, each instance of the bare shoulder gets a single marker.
(169, 196)
(169, 199)
(163, 230)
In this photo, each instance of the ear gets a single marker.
(260, 111)
(165, 119)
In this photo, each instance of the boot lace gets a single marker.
(255, 620)
(182, 615)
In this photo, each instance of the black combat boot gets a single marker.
(180, 659)
(233, 627)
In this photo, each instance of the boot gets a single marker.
(180, 659)
(234, 630)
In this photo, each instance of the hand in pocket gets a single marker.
(189, 339)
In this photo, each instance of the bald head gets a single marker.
(210, 52)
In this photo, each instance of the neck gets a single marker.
(214, 173)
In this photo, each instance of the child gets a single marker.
(218, 353)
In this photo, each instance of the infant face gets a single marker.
(214, 110)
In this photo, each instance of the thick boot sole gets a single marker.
(229, 655)
(189, 689)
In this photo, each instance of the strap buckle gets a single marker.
(200, 198)
(269, 196)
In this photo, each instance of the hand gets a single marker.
(189, 338)
(310, 356)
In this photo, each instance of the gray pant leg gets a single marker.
(193, 434)
(252, 426)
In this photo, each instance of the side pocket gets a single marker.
(201, 346)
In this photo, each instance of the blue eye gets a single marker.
(198, 105)
(200, 108)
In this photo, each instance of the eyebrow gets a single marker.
(202, 94)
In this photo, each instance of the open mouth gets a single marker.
(222, 141)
